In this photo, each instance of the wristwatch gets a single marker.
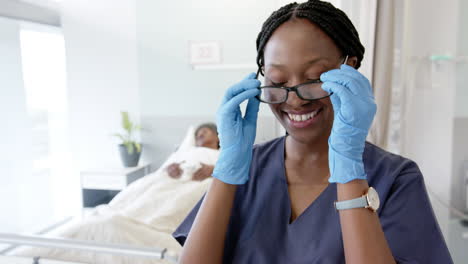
(370, 200)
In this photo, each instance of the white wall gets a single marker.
(462, 67)
(460, 140)
(168, 85)
(100, 40)
(429, 134)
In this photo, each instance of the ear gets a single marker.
(352, 61)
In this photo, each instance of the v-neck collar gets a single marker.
(284, 180)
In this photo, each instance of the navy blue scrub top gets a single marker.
(260, 231)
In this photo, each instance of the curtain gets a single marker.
(382, 72)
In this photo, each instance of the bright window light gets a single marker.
(44, 75)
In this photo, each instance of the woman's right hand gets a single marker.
(237, 133)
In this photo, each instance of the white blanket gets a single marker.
(144, 214)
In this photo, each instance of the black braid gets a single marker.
(331, 20)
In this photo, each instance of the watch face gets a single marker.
(373, 199)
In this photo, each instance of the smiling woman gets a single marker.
(277, 202)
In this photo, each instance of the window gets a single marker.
(35, 166)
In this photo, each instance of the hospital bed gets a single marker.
(134, 228)
(156, 253)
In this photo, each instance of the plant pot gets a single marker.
(129, 160)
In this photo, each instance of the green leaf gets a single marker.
(138, 147)
(129, 128)
(126, 124)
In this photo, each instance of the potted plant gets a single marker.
(130, 150)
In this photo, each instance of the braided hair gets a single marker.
(330, 19)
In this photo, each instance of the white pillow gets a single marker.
(187, 143)
(189, 139)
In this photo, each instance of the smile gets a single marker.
(303, 120)
(303, 117)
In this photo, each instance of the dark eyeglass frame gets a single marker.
(290, 89)
(294, 88)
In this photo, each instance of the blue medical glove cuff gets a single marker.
(345, 156)
(231, 172)
(344, 169)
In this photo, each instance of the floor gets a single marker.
(457, 241)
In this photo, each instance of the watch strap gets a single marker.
(360, 202)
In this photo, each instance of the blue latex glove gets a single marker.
(237, 133)
(354, 107)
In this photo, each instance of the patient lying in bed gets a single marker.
(148, 210)
(205, 136)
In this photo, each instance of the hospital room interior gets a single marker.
(109, 112)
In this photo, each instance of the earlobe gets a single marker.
(352, 61)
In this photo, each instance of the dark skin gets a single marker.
(204, 137)
(174, 170)
(207, 138)
(297, 51)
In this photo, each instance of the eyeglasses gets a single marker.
(308, 91)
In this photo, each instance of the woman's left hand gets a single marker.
(354, 108)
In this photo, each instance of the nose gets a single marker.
(294, 100)
(201, 134)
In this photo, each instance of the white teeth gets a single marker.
(303, 117)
